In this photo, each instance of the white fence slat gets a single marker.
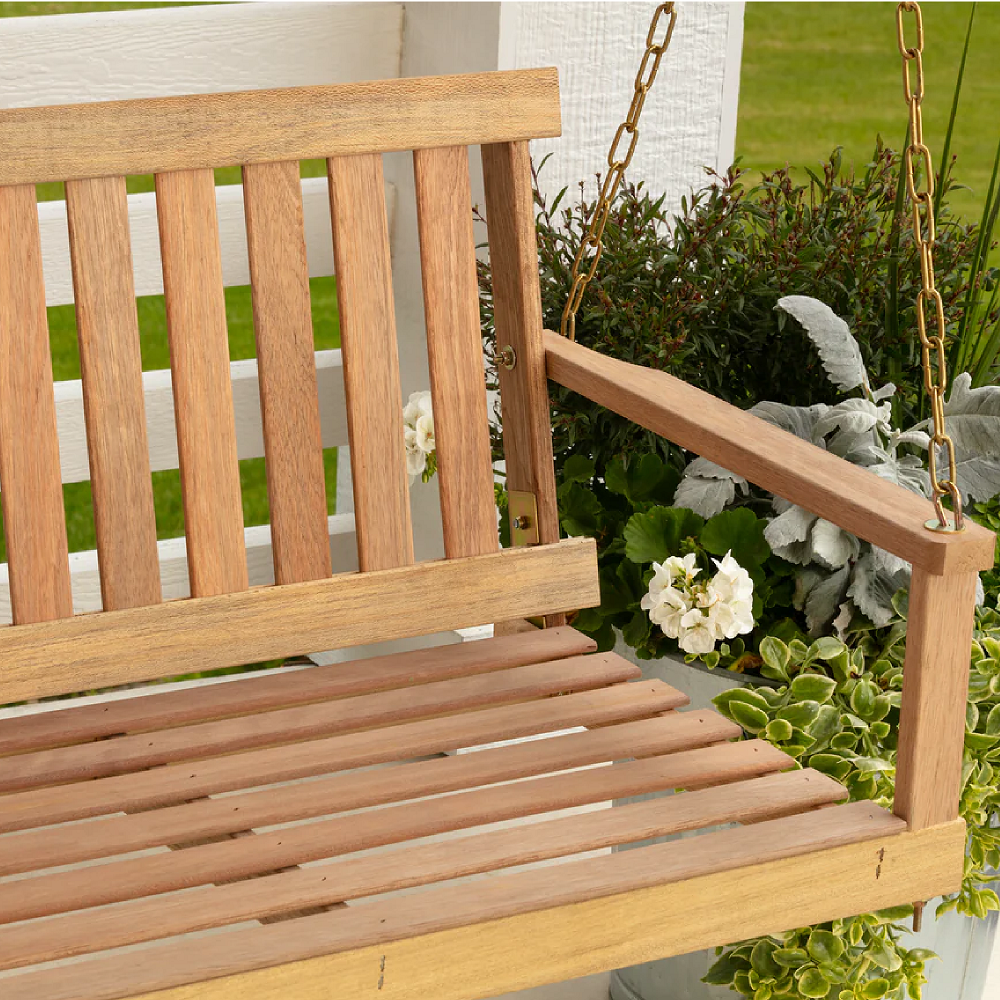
(73, 58)
(173, 565)
(160, 425)
(145, 236)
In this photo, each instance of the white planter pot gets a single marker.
(965, 944)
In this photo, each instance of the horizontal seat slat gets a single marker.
(226, 860)
(158, 135)
(748, 800)
(180, 782)
(176, 963)
(128, 754)
(675, 731)
(254, 693)
(225, 630)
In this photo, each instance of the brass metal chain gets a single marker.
(617, 165)
(929, 298)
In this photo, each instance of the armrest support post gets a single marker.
(935, 691)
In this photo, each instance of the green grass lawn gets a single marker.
(820, 75)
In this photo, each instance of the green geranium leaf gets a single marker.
(637, 630)
(578, 469)
(580, 510)
(753, 720)
(826, 648)
(762, 960)
(614, 477)
(824, 946)
(801, 715)
(775, 654)
(993, 721)
(739, 532)
(790, 958)
(884, 955)
(813, 687)
(656, 534)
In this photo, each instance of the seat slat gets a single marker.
(112, 835)
(111, 368)
(135, 753)
(178, 962)
(455, 350)
(31, 494)
(747, 801)
(371, 361)
(180, 782)
(281, 689)
(203, 396)
(116, 881)
(289, 400)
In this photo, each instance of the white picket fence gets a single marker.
(144, 53)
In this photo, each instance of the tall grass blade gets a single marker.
(946, 148)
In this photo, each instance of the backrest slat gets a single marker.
(218, 130)
(286, 363)
(30, 483)
(203, 398)
(371, 361)
(111, 371)
(454, 350)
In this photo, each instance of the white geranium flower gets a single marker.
(697, 633)
(425, 433)
(699, 613)
(417, 406)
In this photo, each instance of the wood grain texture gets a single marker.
(203, 398)
(371, 362)
(864, 504)
(754, 800)
(111, 365)
(183, 782)
(661, 900)
(30, 486)
(291, 725)
(517, 302)
(455, 350)
(281, 689)
(935, 693)
(289, 400)
(226, 860)
(157, 135)
(119, 647)
(673, 733)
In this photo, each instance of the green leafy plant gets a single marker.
(837, 711)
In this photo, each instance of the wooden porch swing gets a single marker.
(106, 783)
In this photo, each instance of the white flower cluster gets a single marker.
(698, 613)
(418, 433)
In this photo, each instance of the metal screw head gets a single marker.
(508, 358)
(521, 523)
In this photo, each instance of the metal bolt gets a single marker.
(521, 523)
(508, 358)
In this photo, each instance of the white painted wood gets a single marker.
(146, 263)
(688, 122)
(173, 565)
(72, 58)
(160, 425)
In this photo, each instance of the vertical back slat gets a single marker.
(371, 361)
(454, 349)
(286, 364)
(524, 400)
(203, 398)
(111, 367)
(30, 481)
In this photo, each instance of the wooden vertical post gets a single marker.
(517, 304)
(935, 691)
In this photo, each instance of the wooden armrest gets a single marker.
(853, 498)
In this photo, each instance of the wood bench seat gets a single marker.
(249, 780)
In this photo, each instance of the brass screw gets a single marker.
(508, 358)
(521, 523)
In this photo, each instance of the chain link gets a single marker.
(617, 165)
(929, 303)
